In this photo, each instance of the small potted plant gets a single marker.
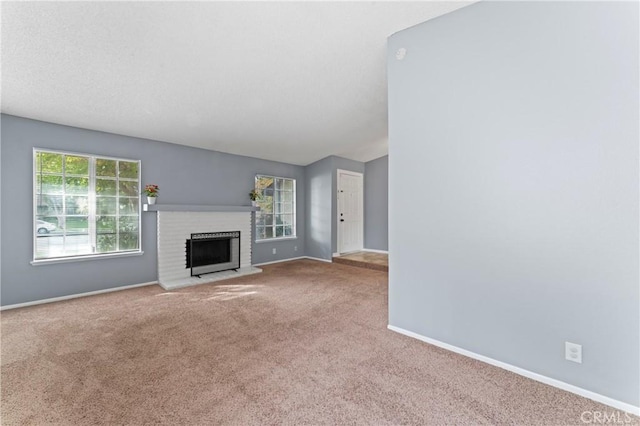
(255, 196)
(151, 191)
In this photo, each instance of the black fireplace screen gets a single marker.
(208, 252)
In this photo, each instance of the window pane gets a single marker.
(287, 219)
(106, 239)
(128, 224)
(75, 205)
(279, 231)
(105, 167)
(279, 183)
(263, 182)
(77, 244)
(105, 187)
(106, 225)
(49, 184)
(287, 197)
(264, 219)
(128, 233)
(50, 221)
(266, 204)
(106, 243)
(288, 185)
(268, 232)
(106, 205)
(129, 188)
(76, 185)
(48, 245)
(260, 233)
(128, 241)
(50, 205)
(288, 230)
(76, 225)
(48, 162)
(76, 165)
(288, 208)
(128, 205)
(44, 226)
(128, 169)
(270, 183)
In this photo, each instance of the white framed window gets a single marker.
(84, 205)
(277, 215)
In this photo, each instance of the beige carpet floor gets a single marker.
(302, 343)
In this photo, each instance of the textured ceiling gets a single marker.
(286, 81)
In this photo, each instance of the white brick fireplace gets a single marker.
(175, 226)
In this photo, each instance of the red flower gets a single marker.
(151, 190)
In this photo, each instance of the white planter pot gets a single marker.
(151, 200)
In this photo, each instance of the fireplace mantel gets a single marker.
(177, 223)
(196, 208)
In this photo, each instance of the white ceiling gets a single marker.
(286, 81)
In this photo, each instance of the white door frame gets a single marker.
(338, 209)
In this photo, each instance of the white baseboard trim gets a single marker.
(74, 296)
(376, 251)
(526, 373)
(319, 259)
(364, 249)
(292, 258)
(280, 261)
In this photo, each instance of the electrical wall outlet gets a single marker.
(274, 250)
(573, 352)
(295, 248)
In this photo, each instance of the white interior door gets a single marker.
(350, 211)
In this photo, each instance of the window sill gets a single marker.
(270, 240)
(41, 262)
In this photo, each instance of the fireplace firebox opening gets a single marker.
(208, 252)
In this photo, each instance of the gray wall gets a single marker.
(185, 176)
(318, 207)
(514, 187)
(376, 204)
(322, 204)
